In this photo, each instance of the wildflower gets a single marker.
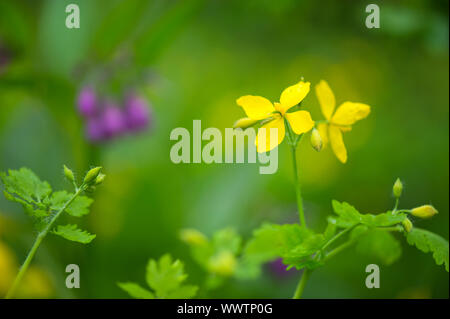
(137, 114)
(347, 114)
(274, 115)
(87, 102)
(424, 211)
(113, 120)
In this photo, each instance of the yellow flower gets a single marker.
(347, 114)
(259, 108)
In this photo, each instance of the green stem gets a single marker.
(337, 236)
(301, 284)
(36, 244)
(298, 189)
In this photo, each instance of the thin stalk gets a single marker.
(301, 284)
(40, 237)
(338, 249)
(298, 189)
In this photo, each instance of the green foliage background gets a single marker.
(203, 55)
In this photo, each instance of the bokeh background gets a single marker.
(191, 59)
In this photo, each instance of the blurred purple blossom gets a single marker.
(137, 113)
(278, 269)
(113, 120)
(106, 120)
(87, 102)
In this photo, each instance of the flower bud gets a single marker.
(69, 174)
(424, 211)
(193, 237)
(244, 123)
(92, 175)
(99, 179)
(397, 188)
(316, 140)
(224, 263)
(407, 225)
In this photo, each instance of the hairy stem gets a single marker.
(40, 237)
(301, 284)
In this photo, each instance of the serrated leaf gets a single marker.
(58, 199)
(73, 233)
(293, 243)
(136, 291)
(165, 277)
(25, 184)
(24, 187)
(427, 241)
(379, 244)
(349, 216)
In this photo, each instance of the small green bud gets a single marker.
(244, 123)
(397, 188)
(407, 225)
(92, 175)
(316, 140)
(99, 179)
(424, 211)
(69, 174)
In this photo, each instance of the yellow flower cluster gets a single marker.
(276, 115)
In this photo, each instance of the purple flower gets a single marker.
(94, 129)
(137, 113)
(87, 102)
(278, 269)
(113, 120)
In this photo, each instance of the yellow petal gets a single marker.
(337, 143)
(323, 131)
(326, 99)
(293, 95)
(300, 121)
(278, 123)
(349, 113)
(256, 107)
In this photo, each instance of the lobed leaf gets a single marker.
(73, 233)
(165, 277)
(349, 216)
(427, 241)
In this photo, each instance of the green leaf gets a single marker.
(24, 187)
(349, 216)
(136, 291)
(429, 242)
(73, 233)
(165, 277)
(59, 199)
(227, 239)
(293, 243)
(379, 244)
(79, 206)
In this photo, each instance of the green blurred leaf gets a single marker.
(73, 233)
(79, 206)
(379, 244)
(165, 277)
(136, 291)
(427, 241)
